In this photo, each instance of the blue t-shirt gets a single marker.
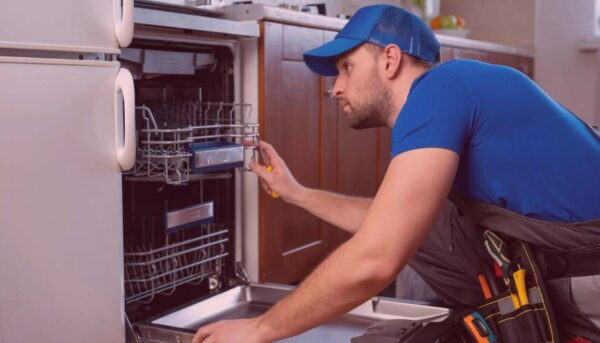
(519, 149)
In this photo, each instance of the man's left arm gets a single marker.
(406, 205)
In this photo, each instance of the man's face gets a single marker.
(360, 91)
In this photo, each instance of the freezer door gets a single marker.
(66, 25)
(61, 250)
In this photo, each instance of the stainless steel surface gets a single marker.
(169, 129)
(189, 215)
(254, 299)
(176, 20)
(182, 258)
(151, 334)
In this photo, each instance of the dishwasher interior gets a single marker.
(179, 202)
(179, 199)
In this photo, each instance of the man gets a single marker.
(475, 130)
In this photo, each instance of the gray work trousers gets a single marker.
(448, 260)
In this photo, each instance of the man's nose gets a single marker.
(338, 88)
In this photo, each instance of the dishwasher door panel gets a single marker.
(255, 299)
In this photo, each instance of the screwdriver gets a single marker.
(268, 165)
(519, 277)
(489, 277)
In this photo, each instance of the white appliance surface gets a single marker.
(61, 253)
(62, 25)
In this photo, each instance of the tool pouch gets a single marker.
(533, 322)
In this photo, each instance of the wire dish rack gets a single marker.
(167, 130)
(184, 257)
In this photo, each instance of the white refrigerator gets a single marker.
(66, 132)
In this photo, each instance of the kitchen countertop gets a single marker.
(287, 16)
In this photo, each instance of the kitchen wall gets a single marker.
(565, 71)
(509, 22)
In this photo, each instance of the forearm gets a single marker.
(342, 282)
(345, 212)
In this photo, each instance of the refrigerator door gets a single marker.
(67, 25)
(61, 250)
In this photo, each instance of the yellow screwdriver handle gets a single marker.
(519, 277)
(273, 194)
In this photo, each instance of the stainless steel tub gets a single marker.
(254, 299)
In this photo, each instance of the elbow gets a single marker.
(378, 273)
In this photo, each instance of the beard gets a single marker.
(372, 108)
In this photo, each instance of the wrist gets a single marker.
(263, 330)
(298, 196)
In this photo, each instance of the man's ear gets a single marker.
(393, 60)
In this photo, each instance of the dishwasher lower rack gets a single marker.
(179, 141)
(255, 299)
(183, 257)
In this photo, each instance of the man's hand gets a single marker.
(280, 180)
(234, 331)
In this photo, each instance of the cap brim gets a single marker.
(321, 60)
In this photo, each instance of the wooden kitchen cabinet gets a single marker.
(305, 125)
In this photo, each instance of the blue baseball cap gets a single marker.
(380, 25)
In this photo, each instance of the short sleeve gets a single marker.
(438, 113)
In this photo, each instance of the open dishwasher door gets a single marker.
(255, 299)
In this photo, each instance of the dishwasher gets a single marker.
(194, 138)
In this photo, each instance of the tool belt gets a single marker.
(556, 264)
(514, 311)
(519, 309)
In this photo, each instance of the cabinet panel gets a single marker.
(292, 241)
(297, 40)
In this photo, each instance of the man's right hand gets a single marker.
(345, 212)
(279, 180)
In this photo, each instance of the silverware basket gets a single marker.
(170, 260)
(171, 136)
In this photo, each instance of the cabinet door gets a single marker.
(358, 156)
(292, 241)
(61, 221)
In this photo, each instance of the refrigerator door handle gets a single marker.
(124, 22)
(125, 119)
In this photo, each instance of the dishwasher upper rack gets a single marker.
(168, 129)
(183, 257)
